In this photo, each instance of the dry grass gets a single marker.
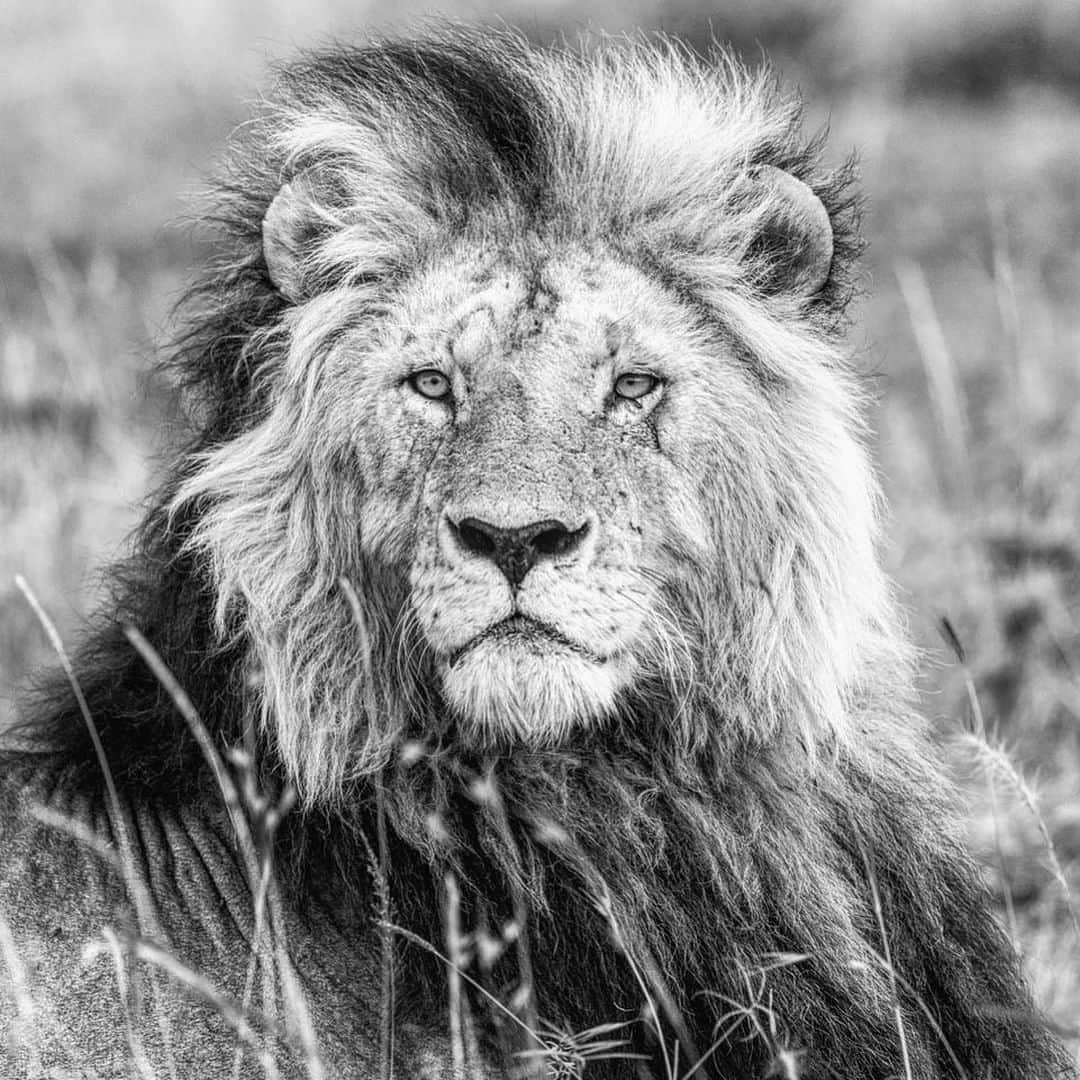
(975, 255)
(972, 337)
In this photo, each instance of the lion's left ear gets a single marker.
(794, 240)
(289, 225)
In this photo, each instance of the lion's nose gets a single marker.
(516, 551)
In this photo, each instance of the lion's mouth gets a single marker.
(522, 630)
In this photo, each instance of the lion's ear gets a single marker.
(793, 245)
(288, 226)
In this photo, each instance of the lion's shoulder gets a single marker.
(56, 895)
(40, 817)
(86, 883)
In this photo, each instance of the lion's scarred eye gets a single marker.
(430, 383)
(635, 384)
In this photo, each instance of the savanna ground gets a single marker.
(967, 128)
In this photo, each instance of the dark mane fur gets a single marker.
(736, 875)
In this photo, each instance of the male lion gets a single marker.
(527, 536)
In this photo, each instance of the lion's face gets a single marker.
(540, 439)
(563, 401)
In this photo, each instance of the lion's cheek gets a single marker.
(671, 519)
(604, 610)
(387, 533)
(451, 611)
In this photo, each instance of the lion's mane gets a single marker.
(752, 841)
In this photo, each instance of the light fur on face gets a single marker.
(528, 694)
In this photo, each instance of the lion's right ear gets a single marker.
(288, 227)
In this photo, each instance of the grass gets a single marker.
(970, 337)
(974, 256)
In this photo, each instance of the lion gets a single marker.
(526, 541)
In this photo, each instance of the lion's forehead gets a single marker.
(535, 314)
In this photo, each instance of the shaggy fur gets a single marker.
(746, 815)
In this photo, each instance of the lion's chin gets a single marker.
(519, 692)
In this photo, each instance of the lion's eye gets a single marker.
(635, 384)
(430, 383)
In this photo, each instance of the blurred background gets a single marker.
(966, 117)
